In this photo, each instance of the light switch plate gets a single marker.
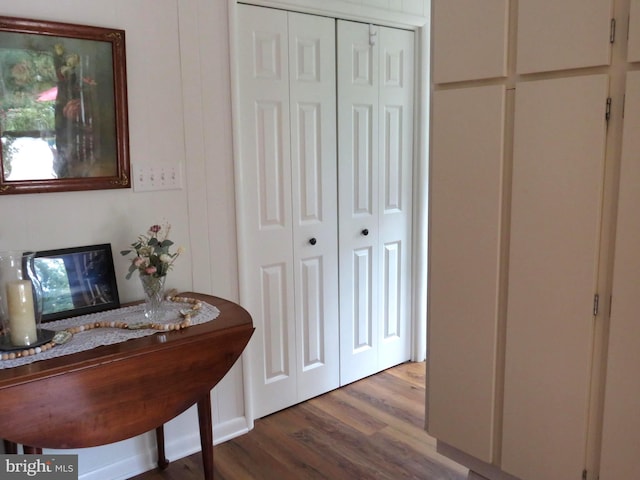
(157, 176)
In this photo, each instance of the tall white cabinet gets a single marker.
(527, 116)
(324, 214)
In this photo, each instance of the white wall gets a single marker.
(179, 111)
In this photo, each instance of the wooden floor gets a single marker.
(370, 429)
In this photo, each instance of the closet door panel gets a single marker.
(358, 66)
(266, 186)
(394, 329)
(362, 313)
(621, 434)
(634, 32)
(276, 322)
(314, 172)
(270, 167)
(577, 32)
(464, 257)
(458, 26)
(555, 227)
(395, 194)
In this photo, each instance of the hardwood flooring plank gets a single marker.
(384, 396)
(423, 447)
(413, 432)
(340, 443)
(291, 448)
(369, 429)
(253, 456)
(383, 452)
(344, 409)
(413, 373)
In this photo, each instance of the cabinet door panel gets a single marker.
(634, 32)
(464, 255)
(458, 26)
(555, 228)
(621, 431)
(577, 32)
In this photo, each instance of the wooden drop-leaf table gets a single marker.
(114, 392)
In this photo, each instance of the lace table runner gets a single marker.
(108, 336)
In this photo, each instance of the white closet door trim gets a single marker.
(413, 13)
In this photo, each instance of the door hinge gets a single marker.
(612, 31)
(373, 32)
(596, 304)
(584, 474)
(607, 112)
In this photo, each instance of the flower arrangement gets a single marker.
(153, 257)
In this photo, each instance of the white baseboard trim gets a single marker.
(230, 429)
(143, 456)
(122, 469)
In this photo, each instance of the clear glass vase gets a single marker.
(153, 288)
(20, 300)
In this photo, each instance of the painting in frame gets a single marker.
(63, 107)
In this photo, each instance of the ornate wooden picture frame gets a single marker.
(63, 107)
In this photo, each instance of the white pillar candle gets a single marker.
(22, 317)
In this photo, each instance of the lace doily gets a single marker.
(108, 336)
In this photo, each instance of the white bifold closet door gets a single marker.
(375, 140)
(324, 230)
(287, 204)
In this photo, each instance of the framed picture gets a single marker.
(76, 281)
(63, 107)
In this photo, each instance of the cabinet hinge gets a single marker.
(596, 304)
(584, 474)
(612, 31)
(610, 304)
(607, 112)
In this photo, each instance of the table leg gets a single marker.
(10, 447)
(31, 450)
(163, 463)
(206, 435)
